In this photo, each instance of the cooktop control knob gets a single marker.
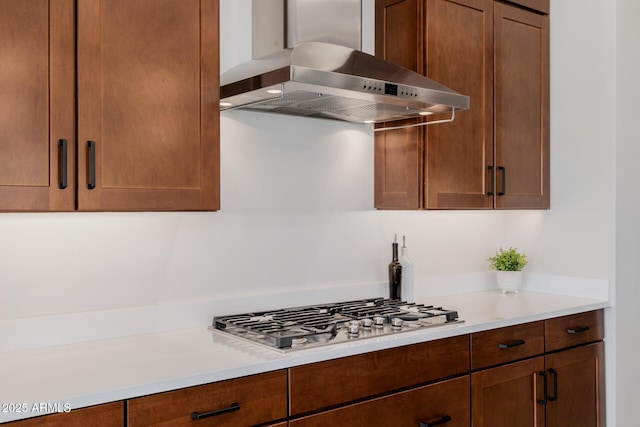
(396, 322)
(354, 328)
(378, 321)
(367, 323)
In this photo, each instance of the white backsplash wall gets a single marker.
(297, 213)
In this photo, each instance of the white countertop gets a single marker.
(95, 372)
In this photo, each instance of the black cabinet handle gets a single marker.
(543, 401)
(492, 186)
(503, 172)
(577, 330)
(510, 344)
(62, 170)
(199, 416)
(443, 420)
(91, 182)
(555, 385)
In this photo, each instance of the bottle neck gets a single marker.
(395, 251)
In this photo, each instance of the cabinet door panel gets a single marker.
(459, 43)
(398, 153)
(580, 387)
(521, 107)
(37, 103)
(148, 99)
(506, 396)
(409, 408)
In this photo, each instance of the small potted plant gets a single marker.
(508, 265)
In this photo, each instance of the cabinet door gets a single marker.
(521, 108)
(447, 402)
(148, 125)
(576, 387)
(508, 395)
(107, 415)
(399, 153)
(36, 105)
(459, 41)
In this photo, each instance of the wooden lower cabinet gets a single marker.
(576, 387)
(561, 387)
(107, 415)
(447, 400)
(507, 396)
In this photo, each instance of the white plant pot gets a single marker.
(509, 281)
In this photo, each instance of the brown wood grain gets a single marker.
(408, 408)
(339, 381)
(521, 107)
(37, 103)
(506, 396)
(459, 40)
(148, 98)
(398, 154)
(581, 394)
(558, 337)
(262, 398)
(107, 415)
(485, 345)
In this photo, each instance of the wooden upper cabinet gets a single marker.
(36, 105)
(496, 153)
(521, 108)
(459, 40)
(398, 154)
(148, 100)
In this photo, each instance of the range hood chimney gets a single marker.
(323, 73)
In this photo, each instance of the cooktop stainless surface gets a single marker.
(310, 326)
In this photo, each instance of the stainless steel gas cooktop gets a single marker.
(316, 325)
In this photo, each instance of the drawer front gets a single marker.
(107, 415)
(260, 399)
(575, 329)
(447, 402)
(503, 345)
(343, 380)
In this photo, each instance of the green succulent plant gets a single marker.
(509, 260)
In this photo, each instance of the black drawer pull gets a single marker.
(199, 416)
(492, 186)
(543, 401)
(577, 330)
(503, 172)
(555, 385)
(510, 344)
(91, 184)
(62, 171)
(443, 420)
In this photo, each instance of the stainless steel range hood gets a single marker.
(326, 80)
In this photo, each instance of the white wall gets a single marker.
(627, 211)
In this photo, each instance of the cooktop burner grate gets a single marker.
(309, 326)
